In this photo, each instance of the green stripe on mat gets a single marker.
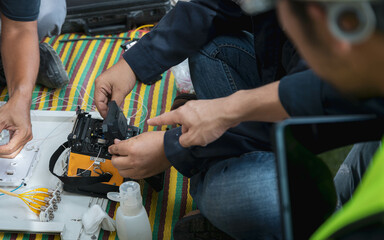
(160, 99)
(157, 215)
(26, 236)
(83, 79)
(35, 94)
(59, 48)
(131, 104)
(176, 210)
(7, 236)
(145, 103)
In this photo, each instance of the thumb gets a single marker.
(118, 97)
(185, 140)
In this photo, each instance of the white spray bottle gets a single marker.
(132, 221)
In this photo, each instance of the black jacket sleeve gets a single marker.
(305, 94)
(180, 33)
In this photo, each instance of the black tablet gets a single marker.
(307, 193)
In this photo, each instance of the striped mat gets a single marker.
(84, 61)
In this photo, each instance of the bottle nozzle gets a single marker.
(129, 197)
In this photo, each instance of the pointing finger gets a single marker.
(167, 118)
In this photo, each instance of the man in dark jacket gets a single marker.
(343, 41)
(233, 178)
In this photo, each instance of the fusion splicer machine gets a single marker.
(89, 169)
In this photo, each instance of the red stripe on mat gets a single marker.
(135, 103)
(163, 212)
(149, 198)
(111, 213)
(163, 100)
(73, 48)
(104, 67)
(62, 47)
(39, 94)
(67, 91)
(74, 72)
(106, 235)
(89, 73)
(112, 208)
(54, 42)
(51, 95)
(109, 56)
(77, 67)
(149, 107)
(184, 196)
(50, 99)
(13, 236)
(165, 94)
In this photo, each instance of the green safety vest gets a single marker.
(366, 204)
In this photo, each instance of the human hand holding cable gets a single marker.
(113, 84)
(21, 65)
(15, 117)
(202, 121)
(141, 156)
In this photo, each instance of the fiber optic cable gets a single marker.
(2, 194)
(108, 38)
(38, 199)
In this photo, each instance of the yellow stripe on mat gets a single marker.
(81, 69)
(152, 212)
(56, 94)
(168, 105)
(39, 236)
(114, 53)
(93, 76)
(4, 93)
(189, 201)
(155, 100)
(140, 113)
(170, 203)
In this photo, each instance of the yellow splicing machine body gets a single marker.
(80, 165)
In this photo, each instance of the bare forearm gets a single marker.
(204, 121)
(260, 104)
(20, 55)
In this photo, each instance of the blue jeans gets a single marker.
(239, 195)
(352, 170)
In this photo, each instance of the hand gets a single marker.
(202, 121)
(15, 117)
(113, 84)
(141, 156)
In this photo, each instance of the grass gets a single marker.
(335, 157)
